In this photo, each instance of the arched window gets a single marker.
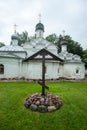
(1, 69)
(77, 71)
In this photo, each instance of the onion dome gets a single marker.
(40, 26)
(14, 37)
(63, 42)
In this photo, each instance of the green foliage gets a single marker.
(51, 38)
(86, 76)
(71, 116)
(2, 44)
(23, 37)
(54, 39)
(72, 47)
(85, 57)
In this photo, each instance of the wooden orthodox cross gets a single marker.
(43, 73)
(43, 54)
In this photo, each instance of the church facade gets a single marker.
(25, 62)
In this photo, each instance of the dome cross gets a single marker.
(39, 18)
(63, 33)
(15, 28)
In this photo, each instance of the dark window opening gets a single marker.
(77, 71)
(1, 69)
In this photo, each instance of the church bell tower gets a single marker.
(15, 37)
(39, 29)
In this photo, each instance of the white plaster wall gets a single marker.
(60, 74)
(14, 68)
(69, 70)
(20, 54)
(33, 70)
(64, 48)
(39, 33)
(11, 68)
(52, 70)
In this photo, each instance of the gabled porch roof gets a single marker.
(54, 57)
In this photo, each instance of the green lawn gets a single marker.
(71, 116)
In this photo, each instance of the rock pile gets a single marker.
(47, 103)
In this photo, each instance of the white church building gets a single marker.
(25, 62)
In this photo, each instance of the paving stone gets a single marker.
(33, 107)
(27, 104)
(51, 108)
(42, 108)
(49, 102)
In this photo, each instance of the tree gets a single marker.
(52, 38)
(85, 57)
(72, 47)
(2, 44)
(23, 37)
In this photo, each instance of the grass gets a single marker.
(71, 116)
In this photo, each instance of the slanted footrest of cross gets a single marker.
(39, 82)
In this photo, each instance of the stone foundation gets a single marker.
(47, 103)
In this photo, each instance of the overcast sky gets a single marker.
(57, 15)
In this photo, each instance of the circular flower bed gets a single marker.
(47, 103)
